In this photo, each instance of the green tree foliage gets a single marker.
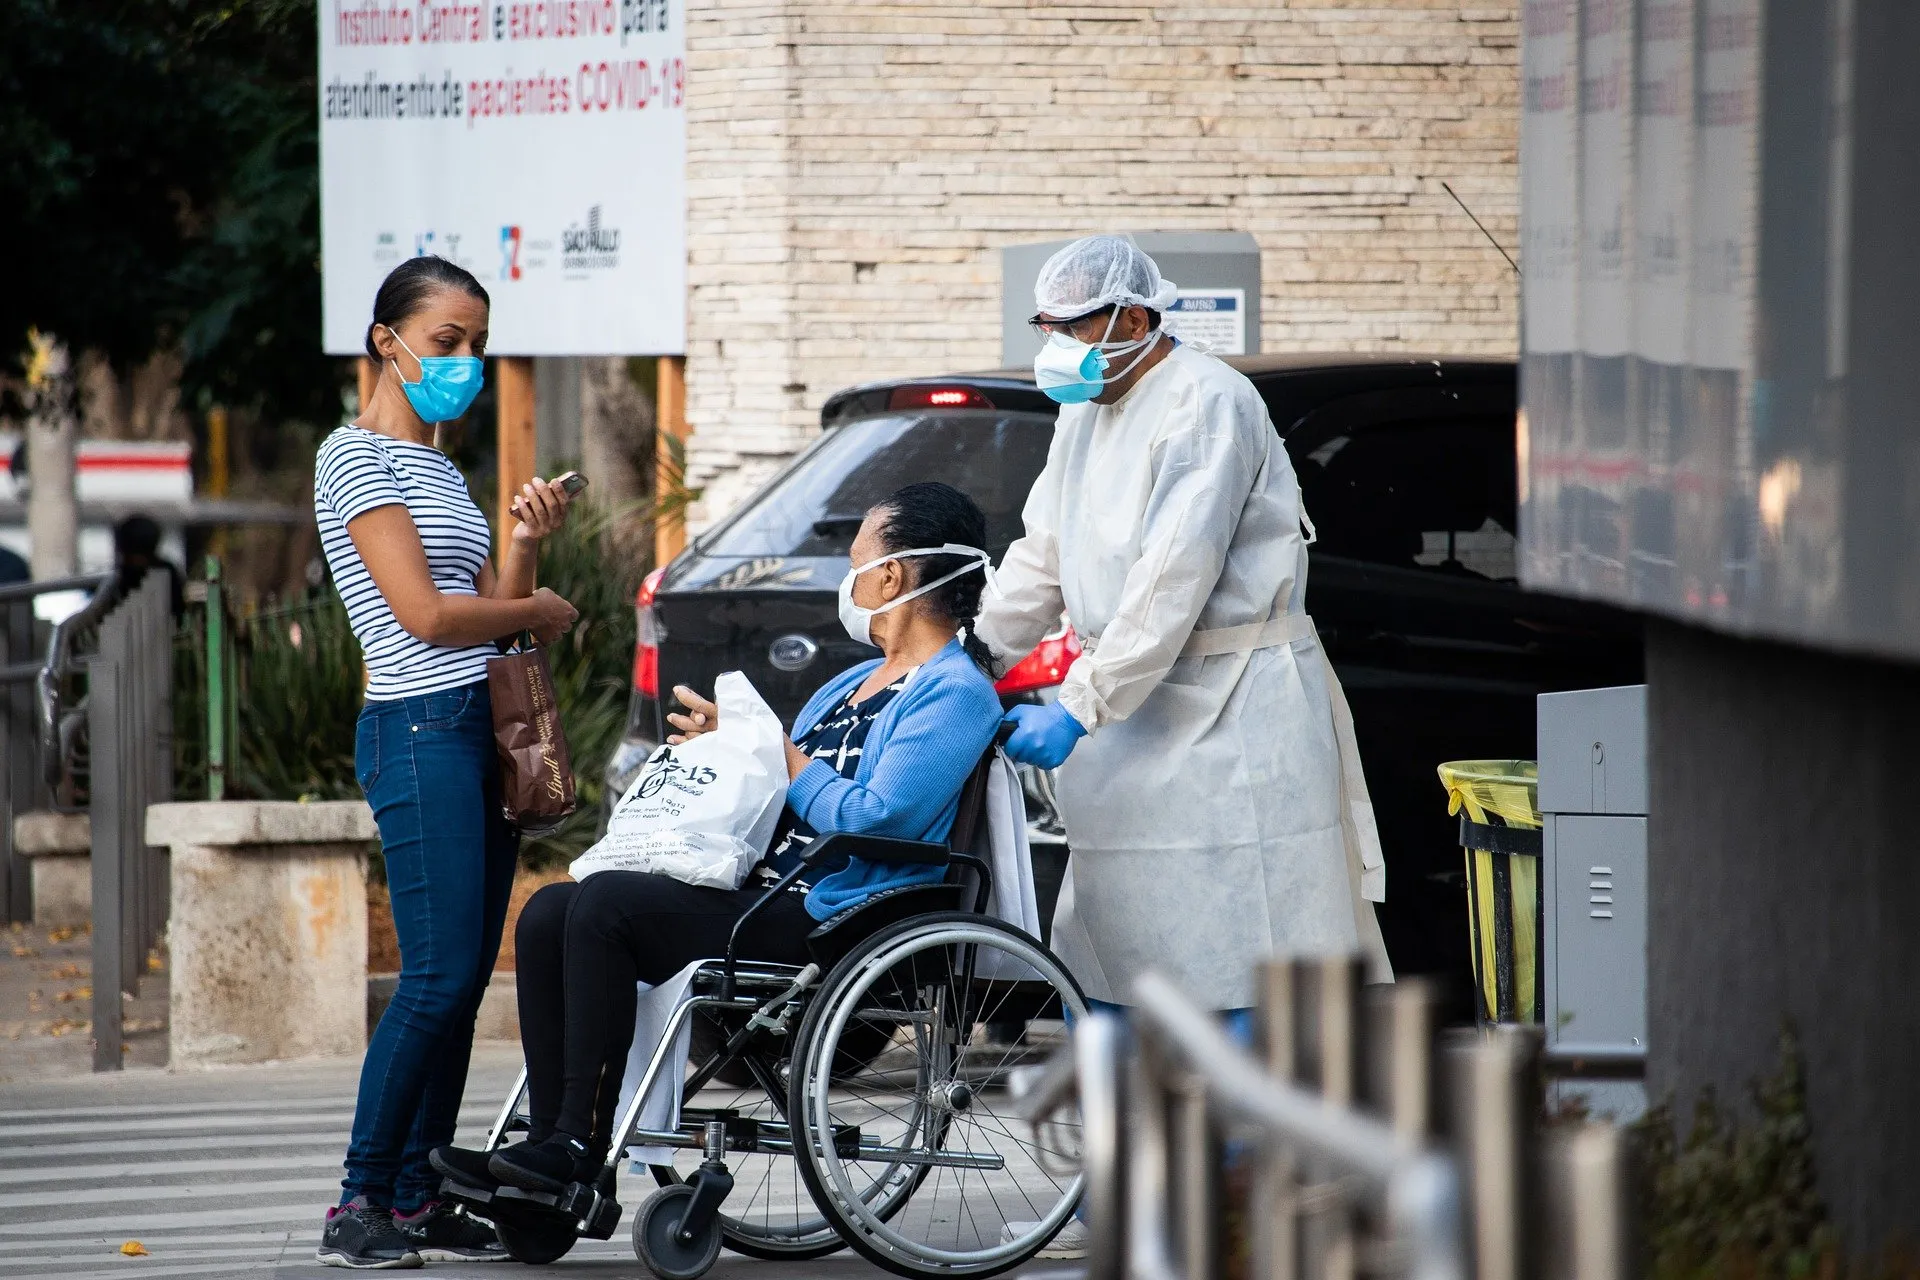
(160, 165)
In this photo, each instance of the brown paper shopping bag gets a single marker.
(536, 771)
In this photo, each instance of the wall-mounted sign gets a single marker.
(541, 144)
(1216, 318)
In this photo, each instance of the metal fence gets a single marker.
(86, 721)
(1358, 1142)
(130, 735)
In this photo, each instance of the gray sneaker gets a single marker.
(361, 1237)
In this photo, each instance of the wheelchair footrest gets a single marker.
(466, 1194)
(598, 1216)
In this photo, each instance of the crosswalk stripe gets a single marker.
(125, 1225)
(149, 1195)
(11, 1251)
(191, 1269)
(330, 1139)
(126, 1172)
(161, 1252)
(177, 1124)
(169, 1109)
(213, 1120)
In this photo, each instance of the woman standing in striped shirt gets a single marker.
(409, 554)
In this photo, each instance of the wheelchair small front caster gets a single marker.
(659, 1242)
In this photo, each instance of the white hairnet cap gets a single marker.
(1100, 271)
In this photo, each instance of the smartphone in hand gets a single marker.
(571, 483)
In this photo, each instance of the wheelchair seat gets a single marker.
(842, 932)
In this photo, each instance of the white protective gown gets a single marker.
(1216, 810)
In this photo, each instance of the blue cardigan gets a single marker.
(917, 756)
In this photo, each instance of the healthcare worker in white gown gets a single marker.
(1209, 782)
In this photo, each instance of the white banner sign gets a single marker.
(541, 144)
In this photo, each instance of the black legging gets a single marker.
(581, 947)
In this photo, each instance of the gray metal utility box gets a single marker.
(1593, 808)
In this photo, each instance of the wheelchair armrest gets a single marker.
(883, 849)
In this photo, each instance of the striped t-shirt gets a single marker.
(358, 470)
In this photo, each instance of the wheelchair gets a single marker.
(863, 1100)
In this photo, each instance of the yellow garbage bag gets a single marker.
(1503, 884)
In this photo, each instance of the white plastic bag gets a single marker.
(703, 811)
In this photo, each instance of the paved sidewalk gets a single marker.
(46, 1006)
(227, 1173)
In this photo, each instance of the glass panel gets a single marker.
(815, 509)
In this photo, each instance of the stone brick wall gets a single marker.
(854, 169)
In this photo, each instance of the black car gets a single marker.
(1408, 470)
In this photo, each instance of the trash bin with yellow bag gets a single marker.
(1500, 832)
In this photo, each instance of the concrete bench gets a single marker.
(60, 845)
(268, 931)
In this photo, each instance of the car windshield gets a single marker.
(815, 508)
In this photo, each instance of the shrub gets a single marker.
(296, 681)
(1733, 1200)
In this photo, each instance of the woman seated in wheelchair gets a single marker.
(883, 749)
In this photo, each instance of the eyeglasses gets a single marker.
(1045, 328)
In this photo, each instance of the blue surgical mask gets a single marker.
(1072, 372)
(447, 384)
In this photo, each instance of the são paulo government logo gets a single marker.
(593, 246)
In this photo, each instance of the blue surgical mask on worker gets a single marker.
(447, 384)
(858, 621)
(1072, 372)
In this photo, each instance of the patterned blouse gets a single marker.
(837, 739)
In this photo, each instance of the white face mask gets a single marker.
(858, 621)
(1072, 372)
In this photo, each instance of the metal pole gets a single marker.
(216, 685)
(161, 789)
(104, 724)
(1276, 1240)
(1197, 1188)
(1587, 1229)
(133, 759)
(1494, 1096)
(1149, 1253)
(1098, 1050)
(1401, 1021)
(1327, 1024)
(16, 894)
(20, 769)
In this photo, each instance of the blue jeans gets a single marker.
(1239, 1021)
(428, 768)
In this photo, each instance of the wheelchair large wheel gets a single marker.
(919, 1157)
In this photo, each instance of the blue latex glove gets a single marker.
(1042, 735)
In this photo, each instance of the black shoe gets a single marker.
(363, 1238)
(440, 1234)
(544, 1166)
(465, 1166)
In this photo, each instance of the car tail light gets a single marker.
(937, 397)
(1044, 667)
(648, 634)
